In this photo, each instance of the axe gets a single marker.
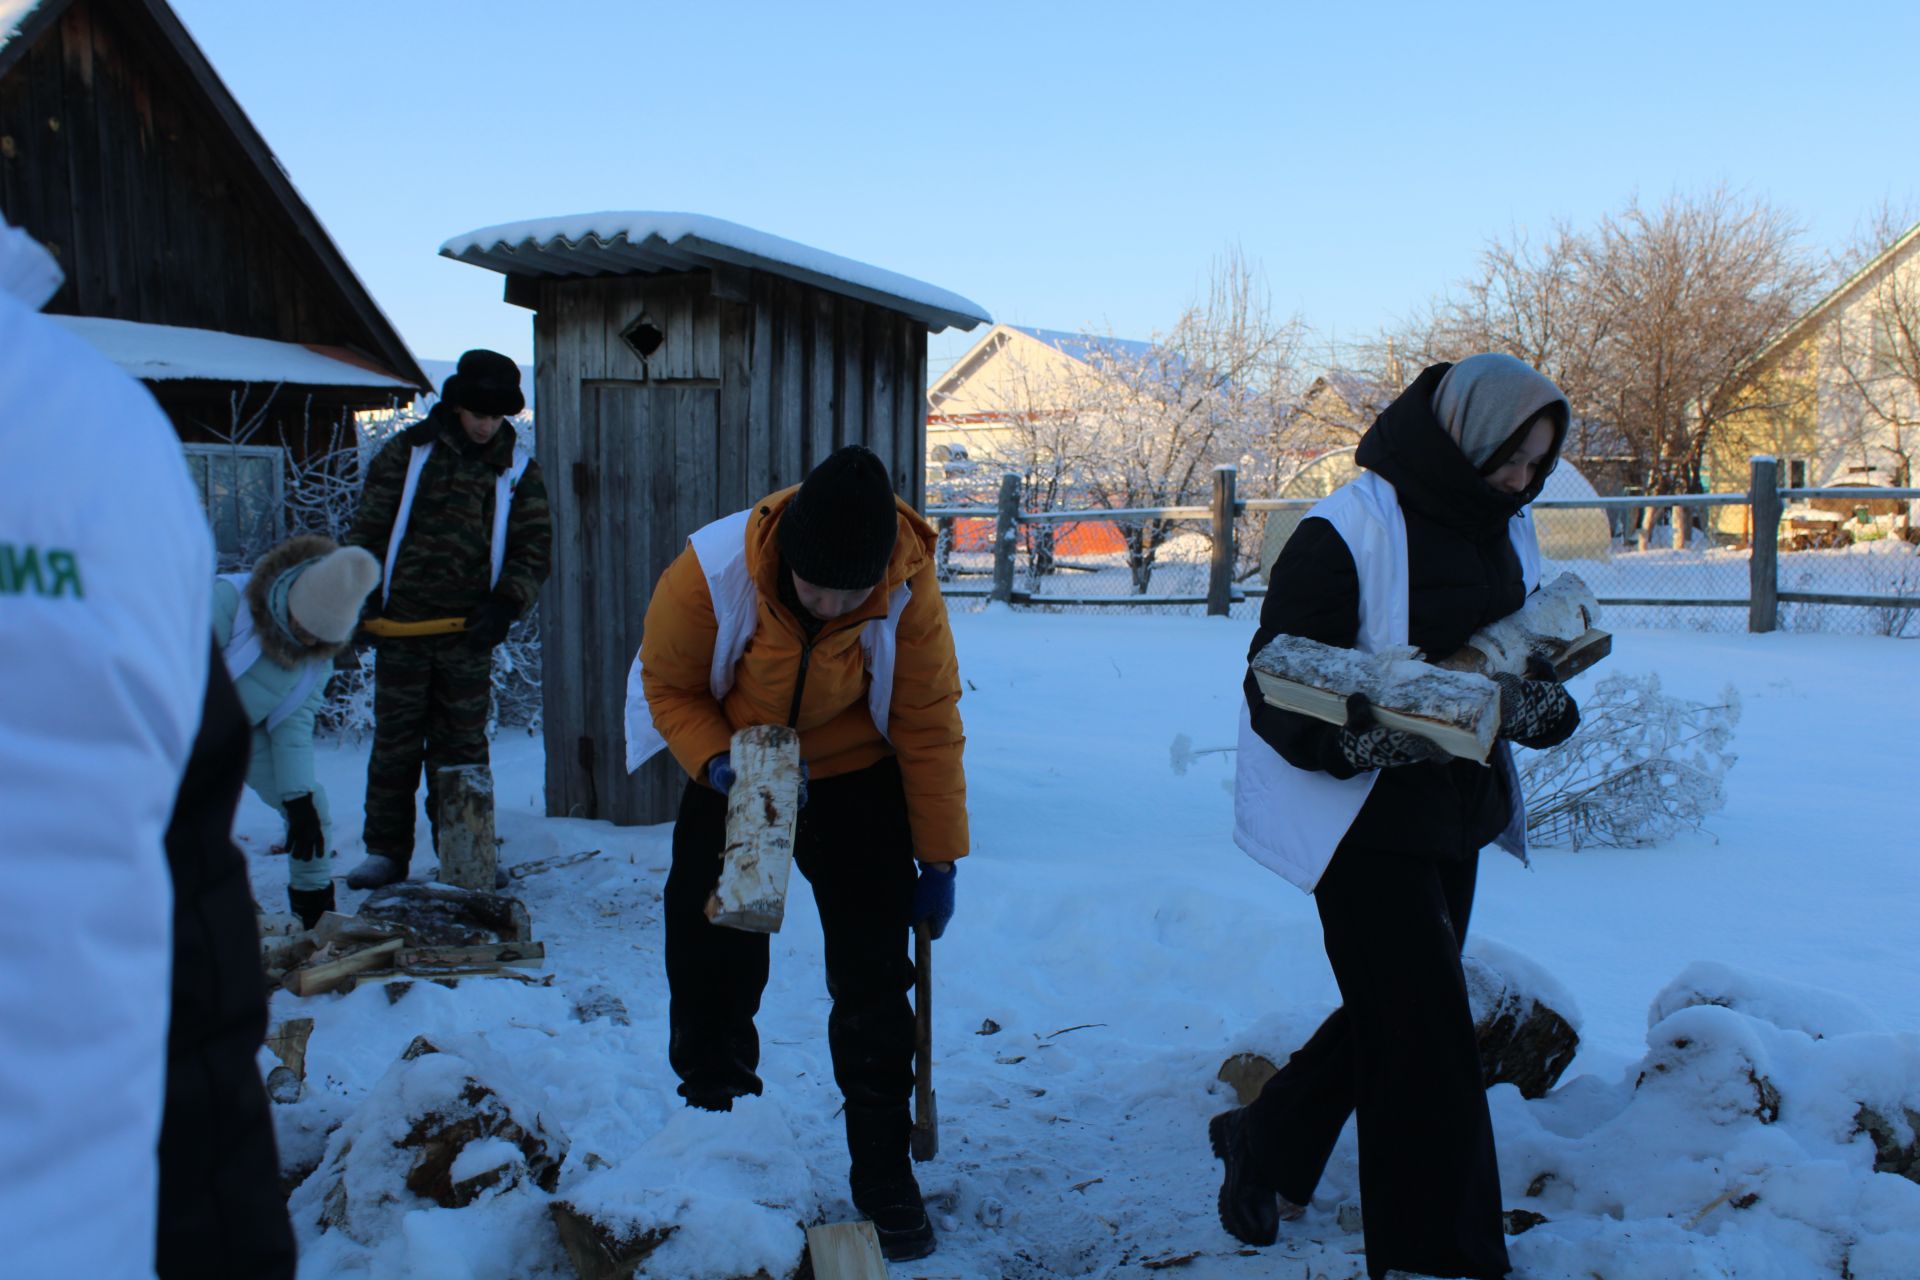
(926, 1115)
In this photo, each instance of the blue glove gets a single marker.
(933, 898)
(720, 775)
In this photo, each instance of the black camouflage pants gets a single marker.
(430, 703)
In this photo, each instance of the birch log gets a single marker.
(762, 808)
(1458, 710)
(1556, 623)
(467, 849)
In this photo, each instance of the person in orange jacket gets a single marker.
(816, 608)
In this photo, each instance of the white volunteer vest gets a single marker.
(1291, 820)
(243, 650)
(721, 549)
(503, 487)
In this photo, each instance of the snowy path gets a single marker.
(1104, 890)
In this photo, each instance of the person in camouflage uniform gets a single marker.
(429, 512)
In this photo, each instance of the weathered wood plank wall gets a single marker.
(740, 400)
(154, 213)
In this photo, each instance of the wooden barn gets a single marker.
(685, 367)
(191, 261)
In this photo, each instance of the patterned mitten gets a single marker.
(1368, 744)
(1535, 713)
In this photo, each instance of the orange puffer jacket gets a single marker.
(837, 734)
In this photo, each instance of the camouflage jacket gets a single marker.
(442, 567)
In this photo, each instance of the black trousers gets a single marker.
(855, 847)
(1400, 1052)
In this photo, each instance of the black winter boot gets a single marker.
(712, 1076)
(1250, 1210)
(716, 1090)
(882, 1182)
(310, 904)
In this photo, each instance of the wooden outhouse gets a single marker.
(684, 368)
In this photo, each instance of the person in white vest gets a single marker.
(278, 628)
(456, 511)
(136, 1130)
(1430, 543)
(815, 608)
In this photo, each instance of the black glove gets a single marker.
(1368, 744)
(487, 626)
(1535, 712)
(304, 838)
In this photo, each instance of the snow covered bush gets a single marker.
(1743, 1143)
(1642, 766)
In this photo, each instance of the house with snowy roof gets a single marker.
(1835, 396)
(1011, 378)
(190, 259)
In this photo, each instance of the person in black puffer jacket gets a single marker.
(1464, 449)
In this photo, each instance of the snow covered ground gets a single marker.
(1124, 948)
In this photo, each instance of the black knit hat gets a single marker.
(838, 530)
(486, 383)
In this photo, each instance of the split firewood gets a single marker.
(762, 809)
(528, 953)
(340, 931)
(1457, 710)
(288, 1041)
(1555, 624)
(845, 1251)
(324, 972)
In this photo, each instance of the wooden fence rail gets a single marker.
(1762, 601)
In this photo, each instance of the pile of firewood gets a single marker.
(408, 930)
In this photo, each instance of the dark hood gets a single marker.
(1409, 448)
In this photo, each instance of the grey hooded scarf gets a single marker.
(1483, 401)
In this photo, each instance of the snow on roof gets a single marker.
(614, 243)
(164, 353)
(12, 14)
(1081, 346)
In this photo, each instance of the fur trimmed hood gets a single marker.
(268, 608)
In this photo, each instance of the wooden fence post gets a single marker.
(1220, 567)
(1763, 493)
(1006, 534)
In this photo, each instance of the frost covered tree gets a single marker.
(1642, 319)
(1211, 390)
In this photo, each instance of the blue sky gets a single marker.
(1066, 166)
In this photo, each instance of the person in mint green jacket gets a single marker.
(278, 628)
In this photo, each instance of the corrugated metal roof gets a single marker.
(644, 243)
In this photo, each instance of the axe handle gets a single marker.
(926, 1120)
